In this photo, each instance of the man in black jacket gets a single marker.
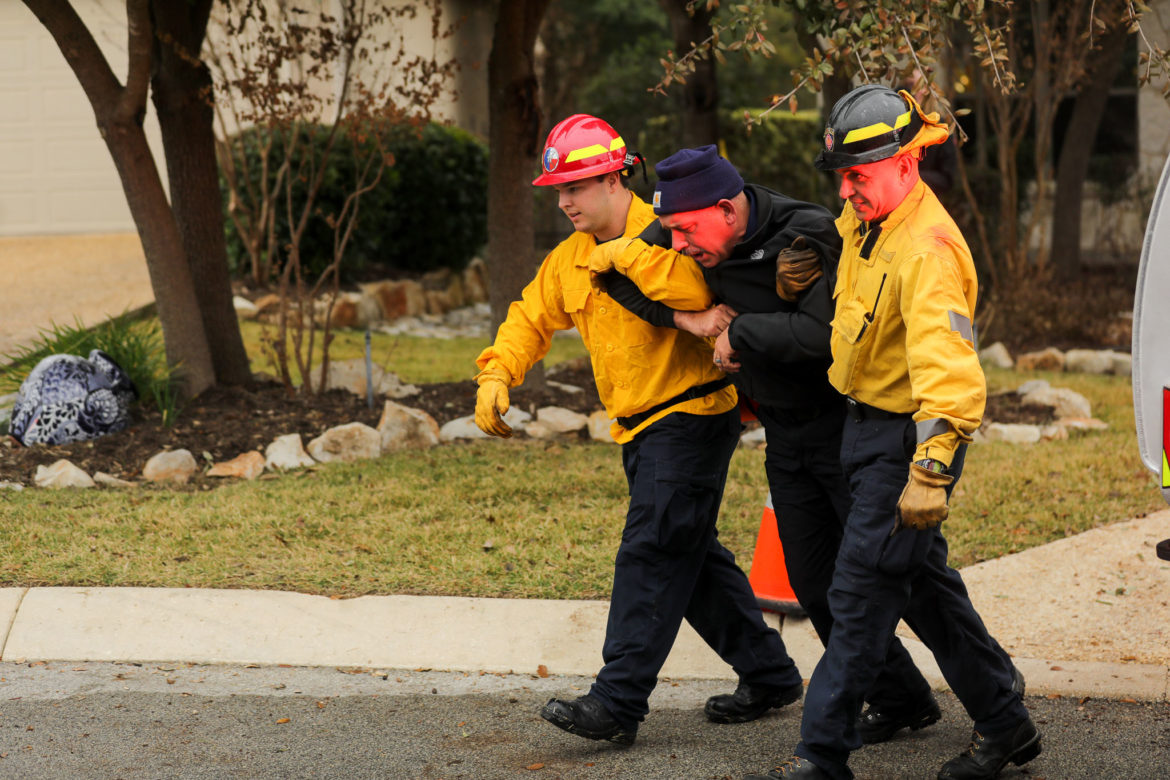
(771, 263)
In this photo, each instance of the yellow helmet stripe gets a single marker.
(594, 149)
(863, 133)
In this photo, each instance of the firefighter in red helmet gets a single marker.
(675, 415)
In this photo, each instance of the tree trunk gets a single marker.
(119, 112)
(182, 94)
(1073, 166)
(700, 120)
(515, 142)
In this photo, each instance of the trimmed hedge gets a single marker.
(429, 210)
(778, 153)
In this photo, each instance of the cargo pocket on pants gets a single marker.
(686, 505)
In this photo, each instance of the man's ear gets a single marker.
(728, 209)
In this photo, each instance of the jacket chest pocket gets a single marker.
(857, 310)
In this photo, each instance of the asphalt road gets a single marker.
(161, 721)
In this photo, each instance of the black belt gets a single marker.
(859, 411)
(698, 391)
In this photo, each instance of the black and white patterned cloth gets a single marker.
(70, 398)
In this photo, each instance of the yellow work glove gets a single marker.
(797, 267)
(491, 404)
(923, 503)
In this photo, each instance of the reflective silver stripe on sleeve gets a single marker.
(961, 324)
(927, 429)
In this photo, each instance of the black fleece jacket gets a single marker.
(783, 347)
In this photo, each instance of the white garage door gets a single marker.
(56, 175)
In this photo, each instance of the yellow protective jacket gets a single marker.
(902, 337)
(636, 365)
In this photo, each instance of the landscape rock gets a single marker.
(753, 439)
(1051, 359)
(176, 466)
(465, 427)
(403, 428)
(1088, 361)
(475, 281)
(1083, 424)
(996, 355)
(1012, 433)
(1122, 364)
(599, 425)
(394, 299)
(1032, 385)
(351, 375)
(560, 420)
(11, 486)
(350, 442)
(109, 480)
(248, 465)
(1063, 401)
(539, 430)
(563, 387)
(286, 453)
(245, 309)
(62, 474)
(1054, 432)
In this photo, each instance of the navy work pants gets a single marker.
(811, 498)
(670, 565)
(877, 580)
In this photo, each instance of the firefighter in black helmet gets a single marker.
(904, 358)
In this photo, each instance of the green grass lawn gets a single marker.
(510, 518)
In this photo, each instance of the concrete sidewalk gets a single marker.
(565, 637)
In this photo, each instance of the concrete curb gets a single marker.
(419, 632)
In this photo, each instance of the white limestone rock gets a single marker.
(351, 375)
(11, 486)
(245, 309)
(1082, 424)
(599, 425)
(286, 453)
(465, 427)
(996, 355)
(176, 466)
(109, 480)
(1088, 361)
(560, 420)
(248, 465)
(539, 430)
(1012, 433)
(62, 474)
(1063, 401)
(753, 439)
(403, 428)
(1122, 364)
(1051, 359)
(350, 442)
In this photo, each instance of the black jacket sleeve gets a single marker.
(625, 292)
(789, 336)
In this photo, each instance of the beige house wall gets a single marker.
(56, 175)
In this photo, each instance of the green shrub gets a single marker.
(429, 210)
(778, 153)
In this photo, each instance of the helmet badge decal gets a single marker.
(552, 158)
(829, 138)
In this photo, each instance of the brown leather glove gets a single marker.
(923, 503)
(491, 404)
(797, 267)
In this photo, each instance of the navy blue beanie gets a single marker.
(692, 179)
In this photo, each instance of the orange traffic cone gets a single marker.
(769, 578)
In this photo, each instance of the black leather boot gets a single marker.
(587, 717)
(878, 725)
(749, 702)
(795, 768)
(986, 756)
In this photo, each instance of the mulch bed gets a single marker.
(227, 421)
